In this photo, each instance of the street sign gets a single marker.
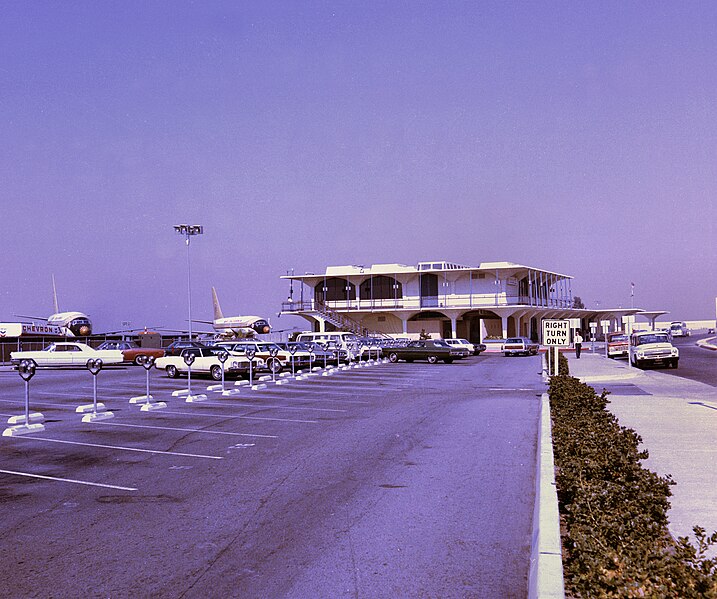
(556, 332)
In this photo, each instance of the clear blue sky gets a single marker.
(572, 136)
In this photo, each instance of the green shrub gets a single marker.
(614, 511)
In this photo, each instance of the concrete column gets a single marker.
(481, 328)
(453, 327)
(504, 323)
(404, 322)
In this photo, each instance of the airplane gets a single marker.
(70, 324)
(235, 327)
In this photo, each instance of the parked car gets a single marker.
(321, 353)
(431, 350)
(650, 348)
(262, 354)
(131, 351)
(617, 345)
(63, 353)
(479, 347)
(175, 349)
(516, 346)
(462, 344)
(341, 339)
(206, 361)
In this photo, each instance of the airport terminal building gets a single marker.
(494, 299)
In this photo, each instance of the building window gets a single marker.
(335, 290)
(381, 287)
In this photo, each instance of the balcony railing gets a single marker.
(455, 301)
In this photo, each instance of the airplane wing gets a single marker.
(31, 317)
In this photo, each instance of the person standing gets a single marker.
(578, 340)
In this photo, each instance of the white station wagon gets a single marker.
(63, 353)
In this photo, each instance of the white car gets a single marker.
(651, 348)
(206, 361)
(63, 353)
(462, 344)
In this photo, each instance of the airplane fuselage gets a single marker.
(76, 323)
(243, 324)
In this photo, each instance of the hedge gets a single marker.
(613, 510)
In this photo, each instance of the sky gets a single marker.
(577, 137)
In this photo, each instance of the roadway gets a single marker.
(696, 363)
(395, 480)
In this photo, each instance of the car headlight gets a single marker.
(640, 354)
(674, 351)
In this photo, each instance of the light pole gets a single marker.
(188, 231)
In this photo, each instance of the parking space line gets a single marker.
(235, 416)
(268, 407)
(121, 448)
(186, 430)
(68, 480)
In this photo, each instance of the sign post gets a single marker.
(605, 325)
(556, 333)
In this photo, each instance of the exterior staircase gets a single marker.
(344, 323)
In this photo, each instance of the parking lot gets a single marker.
(393, 479)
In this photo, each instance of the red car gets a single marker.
(131, 352)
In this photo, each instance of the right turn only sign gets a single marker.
(556, 332)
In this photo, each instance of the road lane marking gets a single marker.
(68, 480)
(122, 448)
(186, 430)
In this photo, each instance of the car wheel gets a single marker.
(674, 363)
(274, 365)
(506, 354)
(216, 372)
(393, 357)
(139, 359)
(448, 360)
(172, 372)
(432, 359)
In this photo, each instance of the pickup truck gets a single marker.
(431, 350)
(206, 361)
(653, 348)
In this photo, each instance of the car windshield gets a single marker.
(514, 340)
(643, 339)
(618, 339)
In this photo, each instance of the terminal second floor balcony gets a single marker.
(453, 302)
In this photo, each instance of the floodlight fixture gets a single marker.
(188, 231)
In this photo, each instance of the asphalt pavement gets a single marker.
(398, 480)
(677, 420)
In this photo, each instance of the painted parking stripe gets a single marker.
(236, 416)
(258, 406)
(186, 430)
(121, 448)
(68, 480)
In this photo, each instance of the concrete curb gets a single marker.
(545, 579)
(708, 343)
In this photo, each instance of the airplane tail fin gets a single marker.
(54, 296)
(217, 308)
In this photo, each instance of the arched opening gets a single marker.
(334, 289)
(381, 287)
